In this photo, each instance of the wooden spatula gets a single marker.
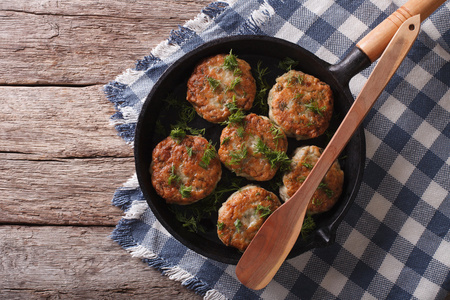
(273, 242)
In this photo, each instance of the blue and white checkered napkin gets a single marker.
(394, 242)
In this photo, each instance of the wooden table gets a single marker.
(60, 160)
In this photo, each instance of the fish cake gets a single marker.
(253, 147)
(244, 212)
(219, 81)
(301, 105)
(185, 170)
(329, 189)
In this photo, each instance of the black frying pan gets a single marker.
(269, 52)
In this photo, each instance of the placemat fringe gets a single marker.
(214, 295)
(258, 18)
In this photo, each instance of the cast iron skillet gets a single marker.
(269, 52)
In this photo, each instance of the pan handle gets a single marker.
(370, 47)
(374, 43)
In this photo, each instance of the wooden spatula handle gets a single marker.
(374, 43)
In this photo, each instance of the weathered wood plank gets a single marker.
(76, 263)
(60, 191)
(90, 42)
(59, 122)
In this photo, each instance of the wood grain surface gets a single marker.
(60, 159)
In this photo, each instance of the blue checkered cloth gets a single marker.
(394, 243)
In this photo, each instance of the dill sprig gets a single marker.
(187, 114)
(232, 106)
(235, 118)
(240, 131)
(287, 64)
(308, 226)
(264, 211)
(316, 201)
(209, 154)
(314, 107)
(238, 224)
(226, 140)
(262, 88)
(173, 176)
(238, 155)
(277, 133)
(234, 83)
(213, 83)
(275, 158)
(324, 187)
(307, 165)
(189, 151)
(231, 63)
(220, 225)
(178, 133)
(185, 191)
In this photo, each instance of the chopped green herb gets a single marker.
(240, 131)
(185, 191)
(232, 106)
(275, 158)
(300, 79)
(263, 211)
(307, 165)
(178, 134)
(231, 62)
(220, 225)
(277, 133)
(196, 131)
(209, 154)
(187, 113)
(234, 83)
(173, 176)
(236, 117)
(287, 64)
(324, 187)
(290, 81)
(301, 178)
(263, 88)
(238, 155)
(314, 107)
(316, 201)
(190, 222)
(308, 226)
(225, 140)
(238, 224)
(298, 96)
(189, 151)
(213, 83)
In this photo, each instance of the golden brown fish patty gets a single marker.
(246, 147)
(218, 81)
(244, 212)
(329, 189)
(181, 173)
(301, 105)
